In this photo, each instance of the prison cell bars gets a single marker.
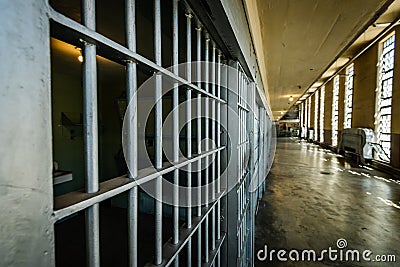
(131, 58)
(189, 131)
(175, 133)
(219, 154)
(91, 135)
(158, 134)
(198, 72)
(213, 145)
(243, 178)
(255, 159)
(132, 150)
(206, 115)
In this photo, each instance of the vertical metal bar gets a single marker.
(175, 62)
(206, 115)
(189, 130)
(189, 114)
(90, 106)
(198, 70)
(132, 152)
(213, 128)
(91, 135)
(158, 134)
(92, 236)
(133, 225)
(240, 127)
(219, 145)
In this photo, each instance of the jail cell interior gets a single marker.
(102, 54)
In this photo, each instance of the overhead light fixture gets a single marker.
(80, 57)
(317, 84)
(381, 24)
(281, 112)
(291, 98)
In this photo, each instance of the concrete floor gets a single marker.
(314, 198)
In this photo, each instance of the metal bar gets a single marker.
(90, 106)
(92, 235)
(175, 59)
(76, 201)
(218, 144)
(113, 50)
(213, 128)
(132, 152)
(170, 251)
(243, 107)
(91, 136)
(189, 115)
(240, 125)
(213, 255)
(198, 71)
(133, 225)
(206, 115)
(89, 14)
(158, 134)
(189, 131)
(198, 74)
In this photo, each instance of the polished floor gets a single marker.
(314, 198)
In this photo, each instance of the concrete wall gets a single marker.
(342, 79)
(315, 101)
(365, 74)
(235, 12)
(328, 113)
(26, 197)
(363, 98)
(312, 112)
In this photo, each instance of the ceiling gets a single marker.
(297, 41)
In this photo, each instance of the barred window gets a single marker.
(335, 111)
(348, 98)
(383, 115)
